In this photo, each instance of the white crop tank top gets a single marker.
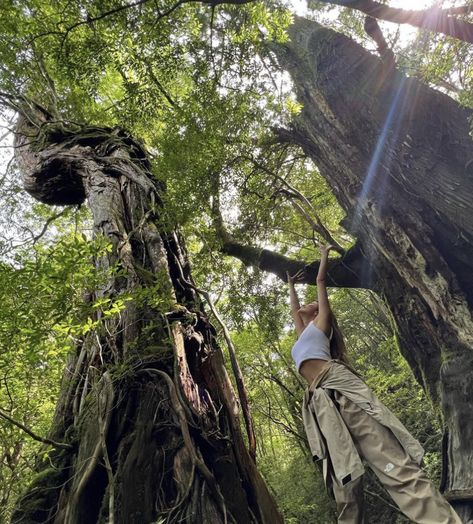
(312, 343)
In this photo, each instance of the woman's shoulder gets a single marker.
(310, 331)
(307, 329)
(328, 335)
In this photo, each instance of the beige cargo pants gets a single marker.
(407, 484)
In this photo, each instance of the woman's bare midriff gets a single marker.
(310, 369)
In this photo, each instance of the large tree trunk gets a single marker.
(146, 401)
(399, 159)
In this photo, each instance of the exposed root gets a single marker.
(106, 399)
(74, 380)
(179, 509)
(105, 403)
(82, 387)
(194, 456)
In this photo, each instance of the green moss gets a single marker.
(44, 476)
(41, 496)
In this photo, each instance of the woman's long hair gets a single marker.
(338, 350)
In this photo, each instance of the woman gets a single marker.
(347, 425)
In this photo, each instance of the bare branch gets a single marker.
(311, 217)
(34, 436)
(47, 224)
(159, 85)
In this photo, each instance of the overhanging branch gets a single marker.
(342, 271)
(432, 19)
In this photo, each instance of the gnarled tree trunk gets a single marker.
(399, 158)
(146, 402)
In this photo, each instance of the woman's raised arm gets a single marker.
(323, 320)
(298, 324)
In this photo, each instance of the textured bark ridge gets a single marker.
(399, 159)
(146, 401)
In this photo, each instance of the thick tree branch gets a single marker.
(374, 31)
(432, 19)
(342, 272)
(462, 10)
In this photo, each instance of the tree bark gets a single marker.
(433, 19)
(146, 401)
(398, 157)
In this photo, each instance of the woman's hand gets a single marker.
(326, 248)
(322, 273)
(297, 277)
